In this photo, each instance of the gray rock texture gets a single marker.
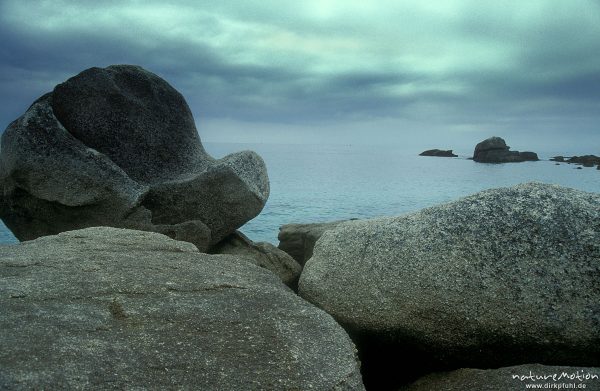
(503, 379)
(586, 160)
(505, 276)
(495, 150)
(108, 308)
(262, 254)
(298, 240)
(117, 146)
(438, 153)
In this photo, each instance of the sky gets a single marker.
(413, 74)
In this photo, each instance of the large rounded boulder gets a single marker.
(108, 308)
(505, 276)
(118, 146)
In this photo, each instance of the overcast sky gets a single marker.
(410, 73)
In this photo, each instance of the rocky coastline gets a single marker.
(501, 279)
(132, 273)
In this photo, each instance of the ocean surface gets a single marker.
(315, 183)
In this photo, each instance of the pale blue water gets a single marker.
(312, 183)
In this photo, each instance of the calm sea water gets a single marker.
(313, 183)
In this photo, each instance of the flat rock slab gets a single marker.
(503, 276)
(521, 377)
(121, 309)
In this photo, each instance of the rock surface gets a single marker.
(262, 254)
(585, 160)
(504, 276)
(502, 379)
(438, 153)
(117, 146)
(495, 150)
(120, 309)
(298, 240)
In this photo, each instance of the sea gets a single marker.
(317, 183)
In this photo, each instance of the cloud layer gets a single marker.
(444, 67)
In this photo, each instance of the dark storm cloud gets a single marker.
(204, 74)
(453, 62)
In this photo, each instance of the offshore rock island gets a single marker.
(495, 150)
(438, 153)
(585, 160)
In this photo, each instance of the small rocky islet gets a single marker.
(132, 273)
(495, 150)
(585, 160)
(438, 153)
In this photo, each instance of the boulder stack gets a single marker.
(118, 146)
